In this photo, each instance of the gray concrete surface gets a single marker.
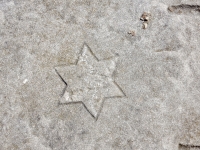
(85, 75)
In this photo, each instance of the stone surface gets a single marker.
(83, 74)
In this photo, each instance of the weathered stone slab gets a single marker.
(83, 74)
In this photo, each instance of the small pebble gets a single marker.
(145, 24)
(145, 18)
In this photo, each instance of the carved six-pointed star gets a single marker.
(89, 81)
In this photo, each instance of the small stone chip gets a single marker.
(132, 33)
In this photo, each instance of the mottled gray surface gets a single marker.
(84, 75)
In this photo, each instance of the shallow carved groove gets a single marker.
(188, 147)
(184, 9)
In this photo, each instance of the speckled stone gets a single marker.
(85, 75)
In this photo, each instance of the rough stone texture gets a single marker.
(129, 92)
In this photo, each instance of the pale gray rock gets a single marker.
(85, 75)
